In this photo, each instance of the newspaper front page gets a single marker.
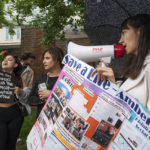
(83, 114)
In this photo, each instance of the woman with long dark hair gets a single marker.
(135, 37)
(52, 58)
(10, 114)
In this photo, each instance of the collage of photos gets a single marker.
(62, 93)
(104, 133)
(74, 124)
(53, 109)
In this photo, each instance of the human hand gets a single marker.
(16, 90)
(43, 94)
(104, 73)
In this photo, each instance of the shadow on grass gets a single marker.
(27, 125)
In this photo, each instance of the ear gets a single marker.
(138, 31)
(16, 65)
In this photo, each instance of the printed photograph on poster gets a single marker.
(53, 109)
(63, 93)
(104, 133)
(114, 117)
(87, 144)
(73, 123)
(42, 121)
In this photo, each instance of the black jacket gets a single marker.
(34, 98)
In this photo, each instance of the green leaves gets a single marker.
(51, 16)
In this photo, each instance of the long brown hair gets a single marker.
(142, 22)
(17, 71)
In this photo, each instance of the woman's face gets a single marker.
(48, 61)
(111, 130)
(8, 64)
(130, 40)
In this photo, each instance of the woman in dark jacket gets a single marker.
(42, 87)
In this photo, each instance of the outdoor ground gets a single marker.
(27, 125)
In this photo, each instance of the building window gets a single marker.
(8, 35)
(18, 33)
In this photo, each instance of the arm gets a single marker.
(24, 95)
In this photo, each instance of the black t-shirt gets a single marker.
(34, 98)
(7, 81)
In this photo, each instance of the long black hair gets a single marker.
(17, 70)
(142, 22)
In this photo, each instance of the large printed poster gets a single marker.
(83, 114)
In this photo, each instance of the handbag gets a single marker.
(21, 107)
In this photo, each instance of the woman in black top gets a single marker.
(10, 115)
(42, 87)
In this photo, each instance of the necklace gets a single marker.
(47, 78)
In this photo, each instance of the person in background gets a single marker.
(135, 37)
(27, 60)
(10, 114)
(52, 58)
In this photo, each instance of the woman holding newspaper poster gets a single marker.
(52, 58)
(135, 37)
(11, 118)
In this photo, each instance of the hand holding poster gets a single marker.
(6, 83)
(83, 114)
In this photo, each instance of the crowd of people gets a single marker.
(135, 37)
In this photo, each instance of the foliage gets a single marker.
(51, 16)
(3, 13)
(3, 53)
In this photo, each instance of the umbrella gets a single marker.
(107, 15)
(104, 17)
(113, 12)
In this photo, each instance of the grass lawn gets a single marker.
(27, 125)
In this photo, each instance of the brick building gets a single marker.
(30, 42)
(11, 43)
